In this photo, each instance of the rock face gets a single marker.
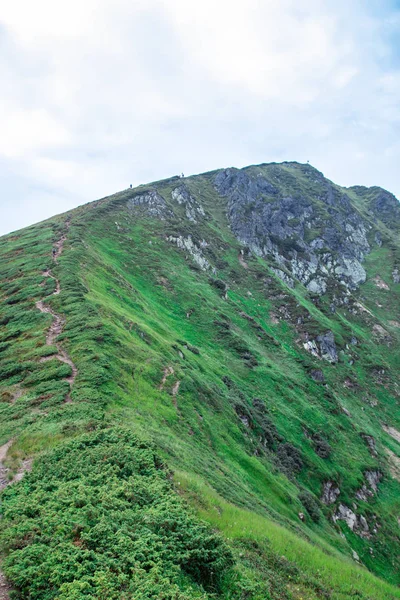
(370, 441)
(373, 478)
(330, 492)
(357, 523)
(317, 375)
(328, 347)
(152, 203)
(386, 207)
(193, 209)
(323, 347)
(194, 250)
(314, 239)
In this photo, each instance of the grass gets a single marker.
(242, 429)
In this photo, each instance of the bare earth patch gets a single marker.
(167, 372)
(394, 324)
(394, 464)
(392, 431)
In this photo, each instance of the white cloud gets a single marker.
(27, 131)
(100, 94)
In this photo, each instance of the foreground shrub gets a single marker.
(98, 518)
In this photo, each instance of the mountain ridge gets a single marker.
(191, 317)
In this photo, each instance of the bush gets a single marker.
(98, 516)
(321, 446)
(311, 505)
(290, 458)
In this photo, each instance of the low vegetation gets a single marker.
(191, 460)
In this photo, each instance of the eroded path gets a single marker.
(58, 321)
(56, 327)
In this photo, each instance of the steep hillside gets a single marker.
(205, 374)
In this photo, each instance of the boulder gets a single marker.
(328, 347)
(330, 492)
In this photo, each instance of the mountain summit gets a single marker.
(199, 386)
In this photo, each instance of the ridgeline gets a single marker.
(199, 393)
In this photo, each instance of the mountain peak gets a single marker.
(199, 392)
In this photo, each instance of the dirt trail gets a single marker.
(167, 372)
(53, 332)
(58, 322)
(175, 388)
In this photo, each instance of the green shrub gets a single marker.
(311, 505)
(101, 509)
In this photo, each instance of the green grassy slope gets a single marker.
(207, 371)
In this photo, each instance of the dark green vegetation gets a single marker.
(203, 371)
(126, 520)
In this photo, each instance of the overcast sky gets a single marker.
(98, 94)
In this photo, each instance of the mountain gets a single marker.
(199, 387)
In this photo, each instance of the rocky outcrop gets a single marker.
(330, 492)
(193, 209)
(284, 277)
(152, 203)
(328, 347)
(315, 238)
(370, 441)
(370, 487)
(357, 523)
(317, 375)
(381, 335)
(323, 347)
(386, 207)
(373, 478)
(194, 250)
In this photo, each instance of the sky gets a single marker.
(100, 94)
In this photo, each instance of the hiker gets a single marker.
(54, 252)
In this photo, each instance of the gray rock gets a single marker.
(194, 251)
(344, 513)
(317, 375)
(357, 523)
(373, 477)
(328, 347)
(396, 276)
(370, 441)
(363, 493)
(311, 346)
(317, 286)
(193, 209)
(386, 207)
(330, 492)
(152, 202)
(284, 277)
(272, 223)
(369, 488)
